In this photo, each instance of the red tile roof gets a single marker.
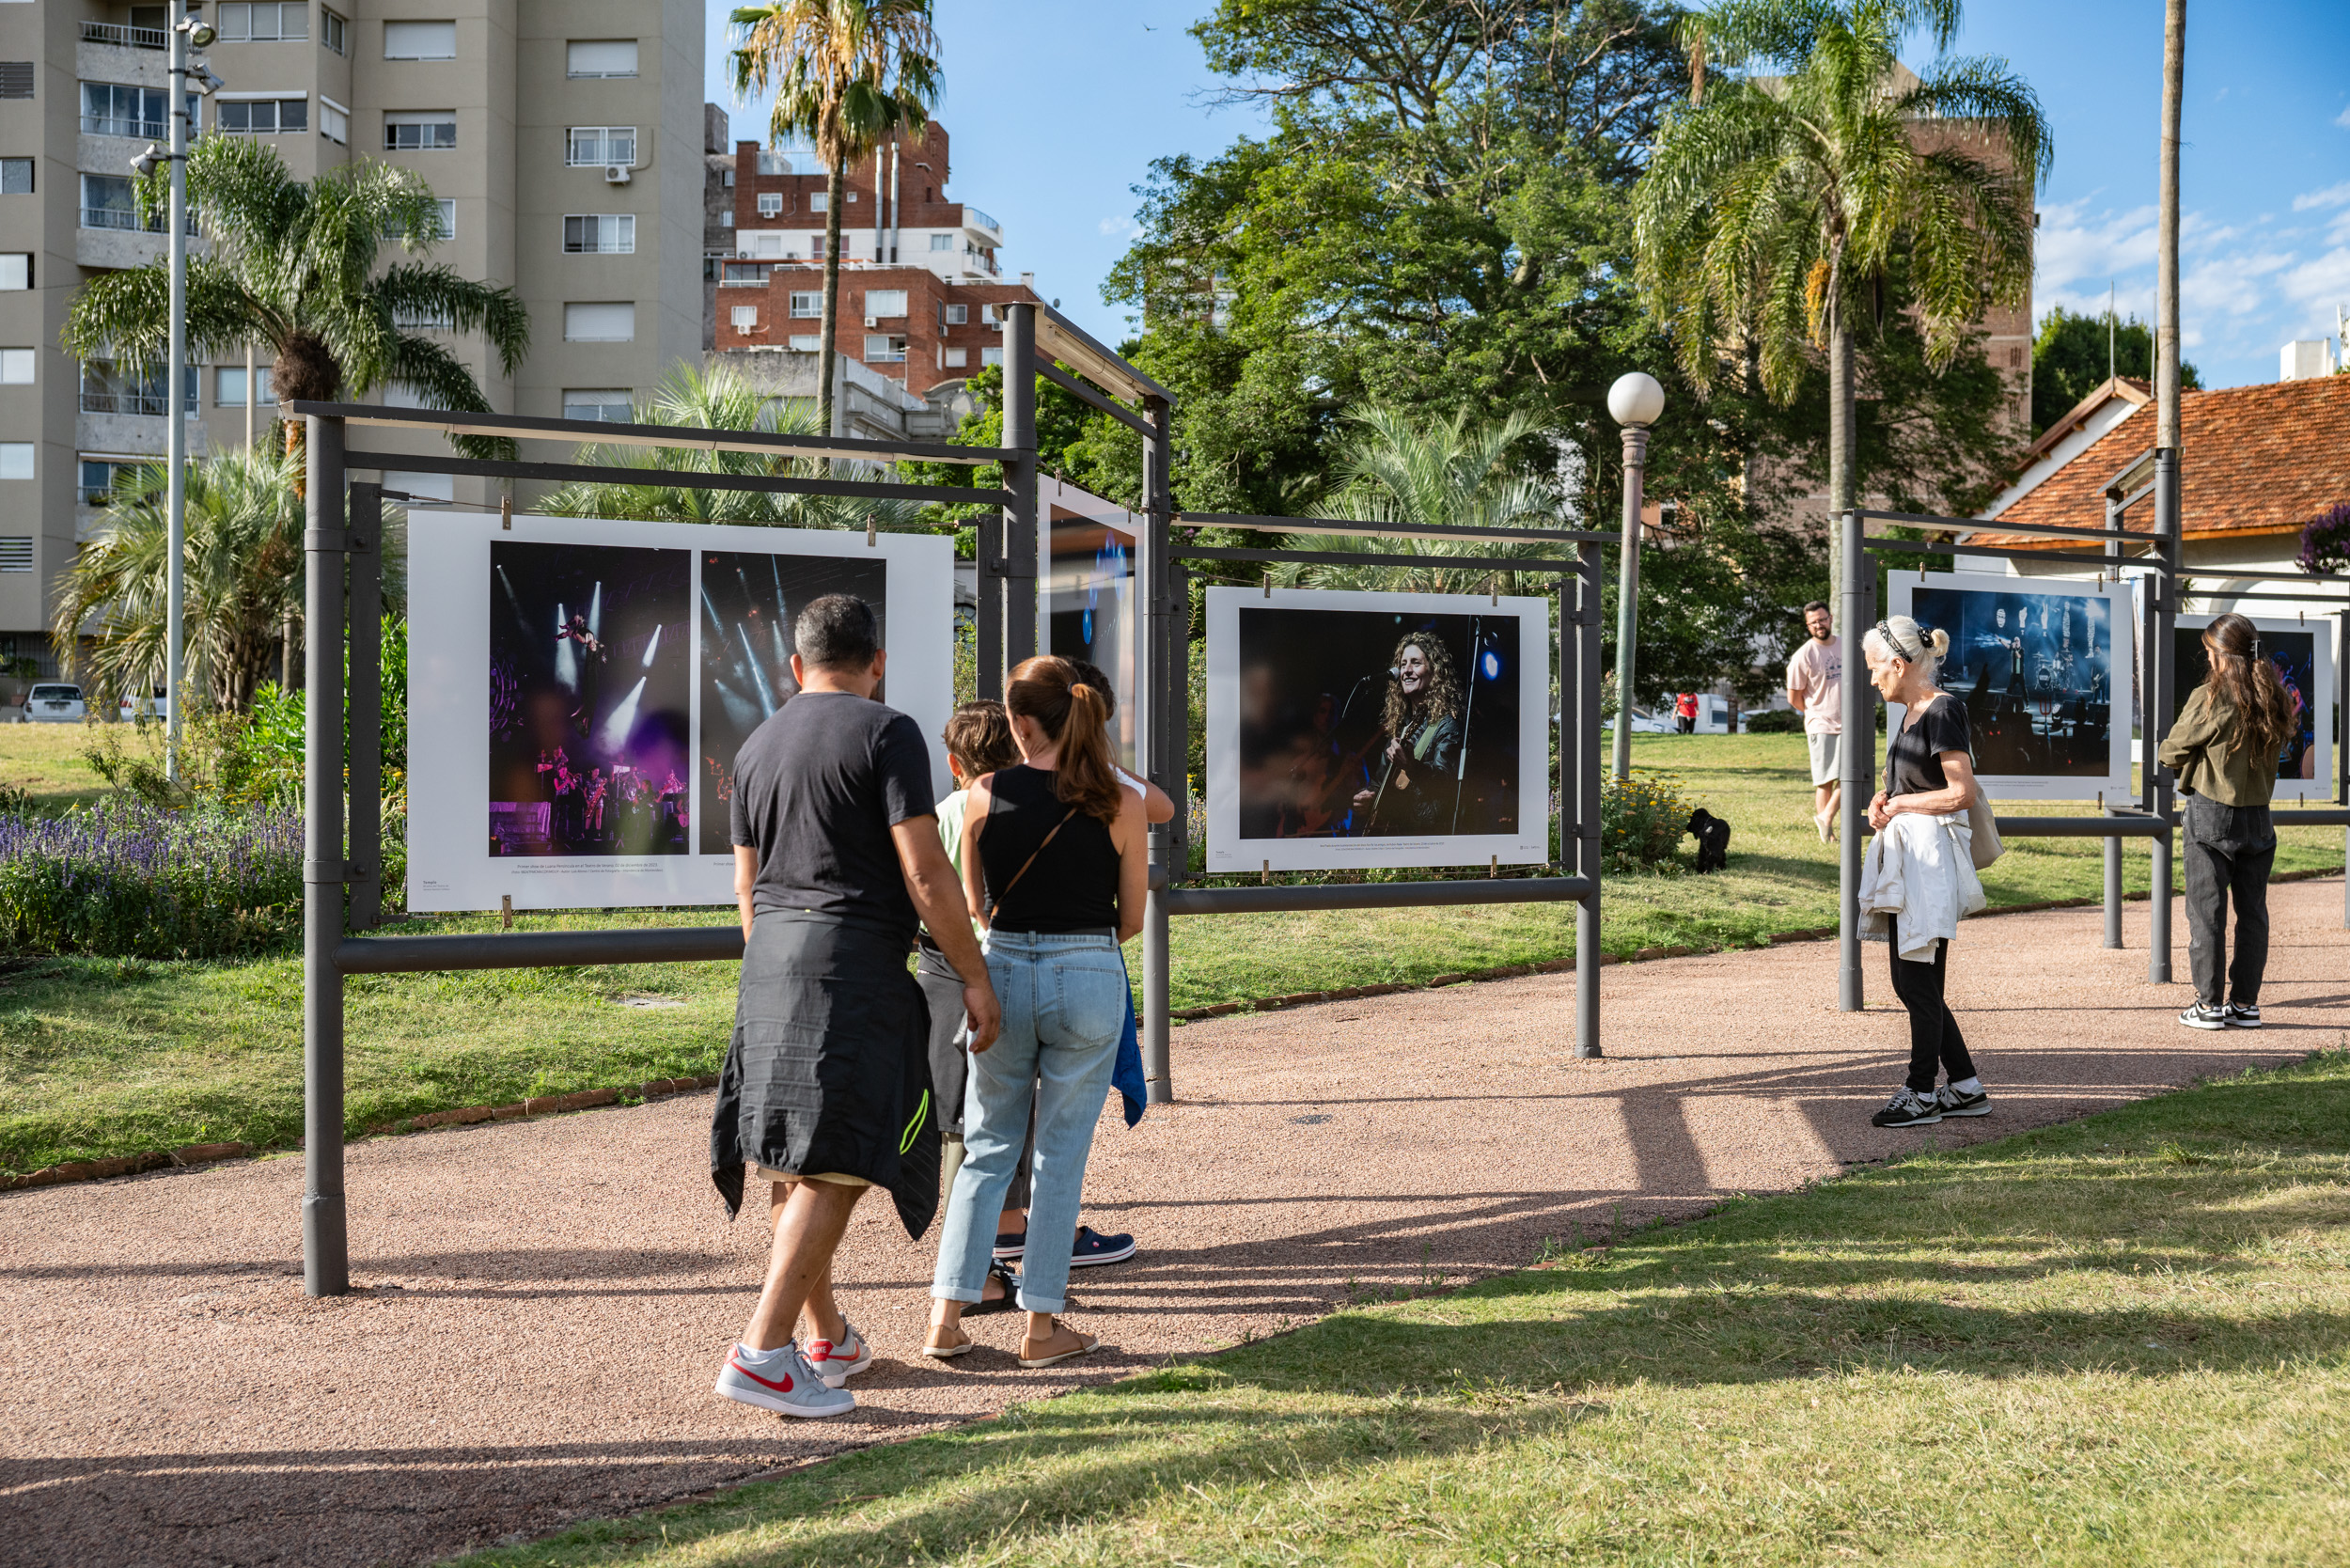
(2256, 460)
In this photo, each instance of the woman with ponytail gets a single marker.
(1055, 863)
(2225, 748)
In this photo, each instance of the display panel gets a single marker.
(2043, 668)
(1376, 729)
(1086, 551)
(2303, 653)
(578, 688)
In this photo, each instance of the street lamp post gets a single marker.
(1634, 402)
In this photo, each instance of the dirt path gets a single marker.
(541, 1306)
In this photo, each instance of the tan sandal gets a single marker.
(1086, 1344)
(948, 1353)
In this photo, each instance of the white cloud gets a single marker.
(2074, 250)
(1121, 228)
(2321, 283)
(2343, 120)
(2332, 196)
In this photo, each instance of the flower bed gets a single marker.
(126, 879)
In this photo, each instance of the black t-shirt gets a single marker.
(1913, 762)
(817, 789)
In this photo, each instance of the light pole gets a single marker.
(1634, 402)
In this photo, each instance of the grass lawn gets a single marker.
(2125, 1340)
(45, 761)
(99, 1057)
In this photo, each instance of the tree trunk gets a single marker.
(828, 333)
(1841, 453)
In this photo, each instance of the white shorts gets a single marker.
(1827, 751)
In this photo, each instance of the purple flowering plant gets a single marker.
(126, 878)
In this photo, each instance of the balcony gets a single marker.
(974, 218)
(127, 220)
(124, 37)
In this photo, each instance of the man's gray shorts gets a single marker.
(1826, 752)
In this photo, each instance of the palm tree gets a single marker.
(295, 266)
(847, 75)
(1774, 206)
(244, 575)
(721, 400)
(1398, 470)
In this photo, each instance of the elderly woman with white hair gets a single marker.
(1930, 775)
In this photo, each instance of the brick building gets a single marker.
(921, 290)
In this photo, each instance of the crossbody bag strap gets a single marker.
(1031, 860)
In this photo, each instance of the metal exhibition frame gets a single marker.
(2155, 817)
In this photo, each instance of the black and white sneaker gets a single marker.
(2244, 1015)
(1908, 1109)
(1951, 1103)
(2201, 1017)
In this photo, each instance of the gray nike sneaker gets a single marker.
(784, 1384)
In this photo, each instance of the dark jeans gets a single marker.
(1934, 1037)
(2229, 850)
(950, 1069)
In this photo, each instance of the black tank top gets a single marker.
(1074, 884)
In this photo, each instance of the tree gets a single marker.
(2071, 356)
(1775, 206)
(847, 75)
(720, 400)
(245, 573)
(295, 266)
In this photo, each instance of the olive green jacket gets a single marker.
(2208, 749)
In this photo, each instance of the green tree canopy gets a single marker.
(2070, 359)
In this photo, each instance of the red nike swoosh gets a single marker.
(782, 1387)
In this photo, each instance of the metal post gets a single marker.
(2160, 665)
(1628, 589)
(2341, 744)
(366, 542)
(1160, 689)
(1020, 478)
(2113, 845)
(176, 414)
(1856, 749)
(2167, 444)
(325, 1250)
(1581, 742)
(988, 634)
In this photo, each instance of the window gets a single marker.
(420, 130)
(991, 315)
(742, 275)
(809, 303)
(424, 321)
(745, 318)
(15, 462)
(770, 204)
(600, 234)
(261, 116)
(613, 406)
(16, 367)
(770, 244)
(603, 143)
(106, 389)
(447, 221)
(954, 315)
(728, 181)
(109, 201)
(99, 475)
(333, 122)
(942, 241)
(601, 58)
(954, 359)
(885, 302)
(228, 386)
(109, 109)
(991, 356)
(16, 78)
(819, 201)
(334, 31)
(883, 349)
(16, 270)
(420, 40)
(16, 555)
(807, 342)
(612, 323)
(16, 177)
(725, 217)
(268, 22)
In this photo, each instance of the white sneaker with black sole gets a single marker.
(2201, 1017)
(2243, 1016)
(1908, 1109)
(1952, 1103)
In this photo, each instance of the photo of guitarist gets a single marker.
(1411, 793)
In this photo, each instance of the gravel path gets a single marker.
(541, 1306)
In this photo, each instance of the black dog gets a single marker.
(1712, 836)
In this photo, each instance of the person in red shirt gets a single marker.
(1686, 711)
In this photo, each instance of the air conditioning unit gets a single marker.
(616, 174)
(872, 320)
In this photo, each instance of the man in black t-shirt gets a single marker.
(825, 1087)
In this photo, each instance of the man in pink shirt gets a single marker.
(1815, 689)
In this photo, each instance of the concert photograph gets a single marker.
(2044, 672)
(2303, 654)
(1394, 733)
(748, 601)
(589, 694)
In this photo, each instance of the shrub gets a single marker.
(1777, 721)
(129, 879)
(1642, 821)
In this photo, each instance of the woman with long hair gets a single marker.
(2225, 748)
(1422, 722)
(1929, 779)
(1054, 865)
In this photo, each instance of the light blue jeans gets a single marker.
(1064, 1001)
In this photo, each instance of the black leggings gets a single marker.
(1934, 1037)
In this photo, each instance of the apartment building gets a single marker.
(563, 139)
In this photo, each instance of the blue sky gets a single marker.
(1058, 107)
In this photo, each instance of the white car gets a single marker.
(132, 708)
(52, 702)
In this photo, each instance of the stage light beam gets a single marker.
(652, 647)
(615, 733)
(566, 658)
